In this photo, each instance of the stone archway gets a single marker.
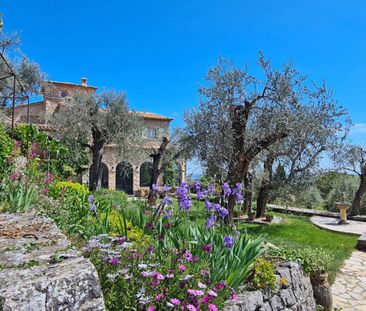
(105, 176)
(145, 174)
(124, 177)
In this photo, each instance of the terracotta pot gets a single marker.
(251, 216)
(322, 291)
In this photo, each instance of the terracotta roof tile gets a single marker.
(153, 116)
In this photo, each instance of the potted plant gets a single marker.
(251, 216)
(269, 217)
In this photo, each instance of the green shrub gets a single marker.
(264, 274)
(314, 261)
(67, 187)
(6, 147)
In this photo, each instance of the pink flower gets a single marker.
(175, 301)
(151, 308)
(206, 299)
(205, 272)
(170, 276)
(45, 191)
(155, 282)
(234, 296)
(159, 276)
(182, 267)
(213, 307)
(191, 307)
(195, 292)
(113, 261)
(14, 176)
(220, 285)
(207, 248)
(188, 256)
(159, 297)
(50, 178)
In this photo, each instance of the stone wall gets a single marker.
(295, 293)
(39, 270)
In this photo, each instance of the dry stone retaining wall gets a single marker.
(296, 294)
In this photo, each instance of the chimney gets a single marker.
(84, 81)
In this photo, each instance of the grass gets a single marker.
(299, 232)
(295, 232)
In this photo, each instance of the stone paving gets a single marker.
(353, 227)
(349, 289)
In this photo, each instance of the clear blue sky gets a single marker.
(159, 51)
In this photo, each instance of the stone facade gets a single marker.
(57, 94)
(296, 293)
(39, 271)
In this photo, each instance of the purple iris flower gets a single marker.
(184, 185)
(166, 188)
(226, 188)
(211, 189)
(223, 212)
(90, 198)
(211, 222)
(183, 199)
(201, 194)
(185, 204)
(167, 201)
(196, 186)
(239, 197)
(168, 213)
(208, 205)
(217, 207)
(93, 208)
(154, 188)
(229, 242)
(237, 193)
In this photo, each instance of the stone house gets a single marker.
(118, 174)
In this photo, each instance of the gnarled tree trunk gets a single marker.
(97, 154)
(356, 204)
(156, 170)
(265, 185)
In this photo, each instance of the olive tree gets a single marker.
(27, 72)
(95, 121)
(239, 116)
(352, 158)
(319, 131)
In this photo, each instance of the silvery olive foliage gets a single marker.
(352, 158)
(96, 121)
(240, 116)
(27, 71)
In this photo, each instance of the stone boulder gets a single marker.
(294, 292)
(39, 270)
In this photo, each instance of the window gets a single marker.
(152, 133)
(64, 94)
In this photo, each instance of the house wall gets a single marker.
(41, 113)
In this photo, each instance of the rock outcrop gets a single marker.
(294, 292)
(40, 271)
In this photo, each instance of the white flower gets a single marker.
(201, 285)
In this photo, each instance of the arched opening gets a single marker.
(124, 177)
(104, 179)
(145, 174)
(172, 175)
